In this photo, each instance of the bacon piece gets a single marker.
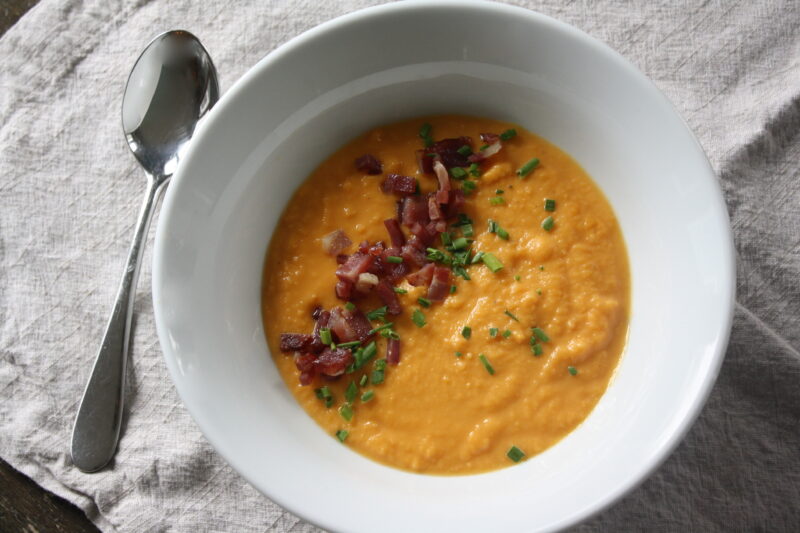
(442, 176)
(395, 232)
(455, 204)
(322, 322)
(486, 153)
(341, 258)
(393, 272)
(389, 297)
(425, 161)
(317, 312)
(414, 255)
(344, 290)
(447, 150)
(435, 210)
(423, 233)
(349, 325)
(295, 342)
(306, 378)
(414, 211)
(369, 164)
(304, 361)
(422, 276)
(490, 138)
(336, 242)
(393, 351)
(333, 362)
(399, 185)
(435, 227)
(356, 264)
(366, 282)
(440, 284)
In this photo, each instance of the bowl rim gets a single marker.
(658, 455)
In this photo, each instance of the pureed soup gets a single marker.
(447, 295)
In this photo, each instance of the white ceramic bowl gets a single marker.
(306, 99)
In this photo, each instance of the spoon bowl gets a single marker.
(172, 85)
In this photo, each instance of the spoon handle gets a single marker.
(96, 430)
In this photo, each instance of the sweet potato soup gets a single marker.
(447, 295)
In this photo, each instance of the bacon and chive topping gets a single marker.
(515, 454)
(369, 164)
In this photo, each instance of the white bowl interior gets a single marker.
(307, 99)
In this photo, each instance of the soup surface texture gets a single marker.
(460, 399)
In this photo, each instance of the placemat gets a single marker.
(70, 191)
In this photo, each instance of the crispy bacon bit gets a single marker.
(344, 289)
(413, 254)
(306, 378)
(490, 138)
(356, 264)
(422, 276)
(486, 153)
(295, 342)
(435, 210)
(369, 164)
(336, 242)
(393, 272)
(322, 322)
(425, 161)
(440, 284)
(316, 313)
(414, 210)
(456, 202)
(376, 249)
(341, 258)
(366, 282)
(447, 150)
(441, 175)
(304, 361)
(395, 232)
(423, 233)
(333, 362)
(389, 297)
(399, 185)
(348, 325)
(393, 351)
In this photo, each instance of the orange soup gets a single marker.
(518, 311)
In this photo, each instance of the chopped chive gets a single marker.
(540, 334)
(377, 376)
(447, 239)
(459, 270)
(516, 277)
(496, 200)
(508, 134)
(468, 186)
(342, 435)
(351, 392)
(527, 167)
(547, 224)
(515, 454)
(493, 332)
(477, 258)
(492, 226)
(503, 234)
(474, 170)
(325, 336)
(549, 205)
(466, 332)
(390, 334)
(460, 243)
(499, 191)
(453, 289)
(363, 380)
(507, 333)
(367, 396)
(361, 356)
(458, 354)
(418, 318)
(398, 290)
(425, 131)
(394, 259)
(388, 325)
(350, 306)
(346, 412)
(424, 302)
(428, 141)
(572, 370)
(467, 230)
(492, 262)
(464, 150)
(510, 314)
(541, 267)
(378, 313)
(537, 349)
(380, 364)
(350, 344)
(458, 173)
(484, 147)
(486, 364)
(324, 394)
(539, 292)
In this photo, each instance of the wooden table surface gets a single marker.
(24, 505)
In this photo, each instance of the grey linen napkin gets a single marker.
(70, 191)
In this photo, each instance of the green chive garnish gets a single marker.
(464, 150)
(517, 278)
(324, 394)
(351, 392)
(549, 205)
(492, 262)
(572, 370)
(388, 325)
(447, 239)
(484, 147)
(515, 454)
(378, 313)
(466, 229)
(398, 290)
(466, 332)
(468, 186)
(460, 243)
(540, 334)
(325, 336)
(342, 435)
(452, 289)
(477, 258)
(377, 376)
(474, 170)
(394, 259)
(508, 134)
(496, 200)
(350, 306)
(510, 314)
(539, 292)
(350, 344)
(424, 302)
(528, 167)
(367, 396)
(547, 224)
(503, 234)
(458, 173)
(541, 267)
(499, 191)
(493, 332)
(537, 349)
(486, 364)
(458, 354)
(363, 380)
(425, 131)
(507, 333)
(346, 412)
(418, 318)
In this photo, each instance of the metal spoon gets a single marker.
(172, 85)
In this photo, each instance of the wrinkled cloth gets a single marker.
(70, 192)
